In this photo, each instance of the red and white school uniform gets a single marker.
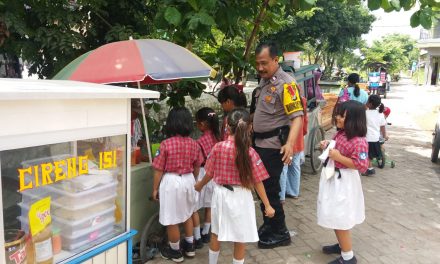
(206, 142)
(340, 199)
(177, 157)
(232, 212)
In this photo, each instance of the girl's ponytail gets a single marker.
(381, 108)
(357, 90)
(353, 79)
(239, 122)
(209, 116)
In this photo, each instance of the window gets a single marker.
(86, 183)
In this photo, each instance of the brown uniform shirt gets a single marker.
(270, 113)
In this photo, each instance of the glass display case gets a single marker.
(64, 187)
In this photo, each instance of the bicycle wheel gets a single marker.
(153, 236)
(317, 135)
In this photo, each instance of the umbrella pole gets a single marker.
(144, 119)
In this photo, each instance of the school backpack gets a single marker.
(344, 97)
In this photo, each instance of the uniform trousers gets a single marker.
(274, 165)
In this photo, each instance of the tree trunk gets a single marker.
(251, 39)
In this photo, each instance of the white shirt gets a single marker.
(374, 121)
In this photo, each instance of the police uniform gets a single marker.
(278, 102)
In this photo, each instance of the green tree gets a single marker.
(326, 33)
(396, 50)
(49, 34)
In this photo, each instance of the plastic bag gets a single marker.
(329, 164)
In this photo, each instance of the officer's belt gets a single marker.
(269, 134)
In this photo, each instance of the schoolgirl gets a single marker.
(175, 166)
(236, 169)
(230, 97)
(353, 91)
(376, 123)
(208, 124)
(340, 199)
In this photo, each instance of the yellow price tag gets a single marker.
(39, 215)
(292, 99)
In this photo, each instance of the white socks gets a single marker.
(347, 255)
(189, 239)
(197, 235)
(213, 256)
(174, 246)
(234, 261)
(206, 228)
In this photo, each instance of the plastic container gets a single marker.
(60, 214)
(15, 246)
(69, 227)
(85, 236)
(80, 200)
(34, 195)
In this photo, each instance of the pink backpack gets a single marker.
(344, 97)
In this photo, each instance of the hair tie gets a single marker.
(239, 88)
(211, 114)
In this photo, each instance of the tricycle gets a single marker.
(377, 78)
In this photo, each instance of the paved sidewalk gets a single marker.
(402, 205)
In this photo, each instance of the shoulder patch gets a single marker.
(292, 99)
(363, 155)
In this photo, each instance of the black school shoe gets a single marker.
(188, 248)
(333, 249)
(169, 253)
(369, 172)
(274, 240)
(340, 260)
(198, 243)
(206, 238)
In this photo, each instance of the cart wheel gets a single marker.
(393, 164)
(153, 236)
(434, 153)
(315, 150)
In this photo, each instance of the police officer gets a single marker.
(277, 123)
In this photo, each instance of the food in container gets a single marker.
(15, 246)
(40, 226)
(56, 240)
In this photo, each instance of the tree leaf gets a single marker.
(396, 4)
(208, 4)
(407, 4)
(415, 19)
(193, 4)
(306, 4)
(387, 6)
(426, 18)
(193, 22)
(173, 16)
(374, 4)
(205, 19)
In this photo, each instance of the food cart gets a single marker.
(315, 133)
(65, 145)
(377, 80)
